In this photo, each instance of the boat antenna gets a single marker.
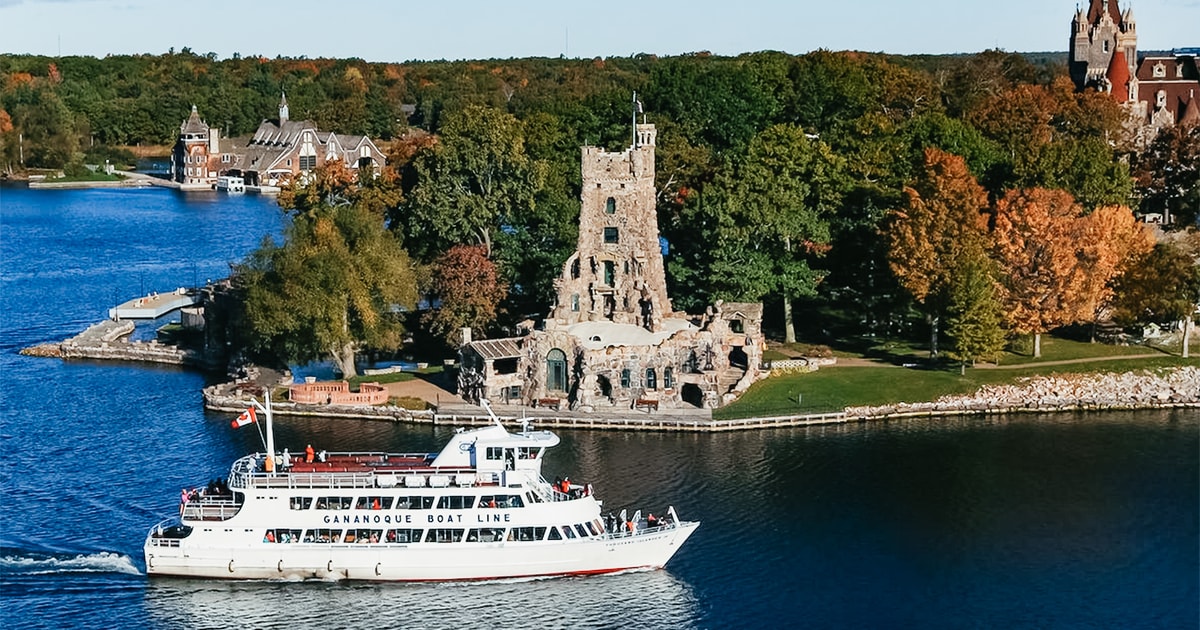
(483, 402)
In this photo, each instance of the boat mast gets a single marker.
(266, 409)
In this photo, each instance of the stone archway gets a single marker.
(738, 358)
(691, 394)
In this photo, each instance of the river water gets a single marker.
(1065, 521)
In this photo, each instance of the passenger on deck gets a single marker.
(309, 454)
(651, 521)
(322, 455)
(287, 459)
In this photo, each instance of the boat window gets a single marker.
(373, 503)
(501, 501)
(282, 535)
(455, 502)
(527, 452)
(323, 536)
(334, 503)
(404, 535)
(414, 503)
(581, 530)
(527, 533)
(592, 528)
(363, 536)
(554, 535)
(495, 453)
(300, 503)
(486, 534)
(569, 532)
(444, 535)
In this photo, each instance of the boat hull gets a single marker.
(649, 549)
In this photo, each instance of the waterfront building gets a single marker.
(1157, 90)
(612, 339)
(278, 153)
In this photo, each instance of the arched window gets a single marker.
(651, 379)
(610, 206)
(556, 370)
(668, 378)
(575, 302)
(625, 378)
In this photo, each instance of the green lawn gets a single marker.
(831, 389)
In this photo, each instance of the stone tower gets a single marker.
(616, 273)
(1096, 36)
(283, 108)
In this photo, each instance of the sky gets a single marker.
(394, 30)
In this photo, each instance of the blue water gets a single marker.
(1058, 521)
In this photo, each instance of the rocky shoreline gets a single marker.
(1143, 389)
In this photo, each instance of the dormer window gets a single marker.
(1160, 70)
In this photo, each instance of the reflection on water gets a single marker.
(653, 599)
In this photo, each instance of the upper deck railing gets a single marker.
(361, 470)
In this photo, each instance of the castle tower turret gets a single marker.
(283, 108)
(617, 272)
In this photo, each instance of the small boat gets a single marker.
(478, 509)
(231, 184)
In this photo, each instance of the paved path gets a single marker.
(863, 362)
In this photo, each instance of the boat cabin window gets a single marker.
(569, 532)
(592, 528)
(363, 536)
(414, 503)
(527, 452)
(300, 503)
(373, 503)
(282, 535)
(495, 453)
(486, 534)
(554, 535)
(334, 503)
(453, 502)
(404, 535)
(323, 535)
(501, 501)
(582, 532)
(444, 535)
(526, 533)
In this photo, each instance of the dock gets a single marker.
(154, 305)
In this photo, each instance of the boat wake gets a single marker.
(14, 562)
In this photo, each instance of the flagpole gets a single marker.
(270, 427)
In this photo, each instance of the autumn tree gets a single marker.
(335, 284)
(1109, 239)
(1035, 241)
(467, 288)
(939, 226)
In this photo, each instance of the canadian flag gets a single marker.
(247, 417)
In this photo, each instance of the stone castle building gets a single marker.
(612, 339)
(277, 153)
(1157, 90)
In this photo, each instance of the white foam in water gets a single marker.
(103, 562)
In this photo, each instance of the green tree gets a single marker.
(974, 312)
(335, 284)
(787, 189)
(475, 179)
(1168, 175)
(1162, 287)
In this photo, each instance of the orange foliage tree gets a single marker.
(1035, 242)
(1109, 240)
(940, 224)
(469, 289)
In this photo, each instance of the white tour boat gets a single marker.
(479, 509)
(231, 184)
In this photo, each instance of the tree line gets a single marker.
(862, 187)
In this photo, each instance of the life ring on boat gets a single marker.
(377, 565)
(231, 566)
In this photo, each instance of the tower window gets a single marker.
(610, 273)
(575, 302)
(611, 235)
(610, 206)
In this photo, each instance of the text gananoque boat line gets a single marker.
(479, 509)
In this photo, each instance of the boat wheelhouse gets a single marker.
(478, 509)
